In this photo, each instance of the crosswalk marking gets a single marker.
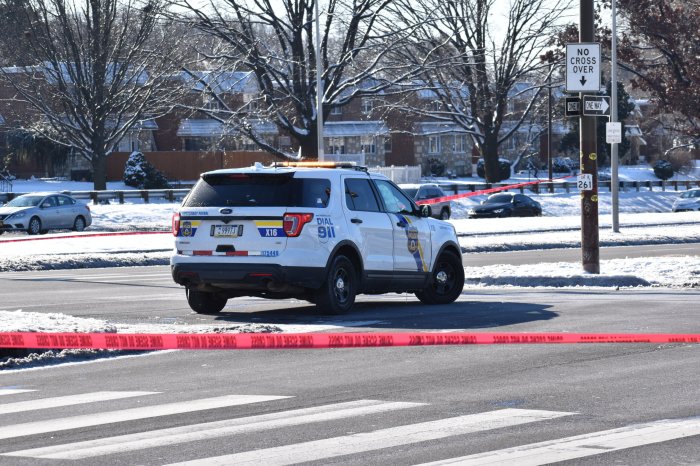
(14, 391)
(211, 430)
(53, 425)
(384, 438)
(69, 400)
(580, 446)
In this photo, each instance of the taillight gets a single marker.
(293, 223)
(176, 224)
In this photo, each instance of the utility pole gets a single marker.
(319, 89)
(549, 128)
(590, 250)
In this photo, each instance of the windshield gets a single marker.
(499, 199)
(25, 201)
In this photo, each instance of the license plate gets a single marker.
(227, 231)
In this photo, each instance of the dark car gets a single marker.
(507, 205)
(424, 192)
(40, 212)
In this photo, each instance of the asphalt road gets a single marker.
(508, 404)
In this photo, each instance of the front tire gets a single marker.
(446, 281)
(203, 302)
(337, 294)
(34, 227)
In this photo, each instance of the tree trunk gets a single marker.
(309, 145)
(492, 171)
(99, 172)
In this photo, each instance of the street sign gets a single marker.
(573, 107)
(596, 105)
(613, 132)
(582, 67)
(584, 182)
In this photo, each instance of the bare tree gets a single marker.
(276, 42)
(99, 69)
(482, 51)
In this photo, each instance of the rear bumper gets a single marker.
(248, 276)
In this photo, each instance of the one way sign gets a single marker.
(582, 67)
(596, 105)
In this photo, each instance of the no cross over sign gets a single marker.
(583, 67)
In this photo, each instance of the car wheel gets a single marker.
(446, 281)
(79, 224)
(205, 302)
(337, 294)
(34, 227)
(445, 214)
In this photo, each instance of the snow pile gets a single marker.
(676, 272)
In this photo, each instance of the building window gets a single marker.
(210, 102)
(251, 103)
(336, 145)
(367, 105)
(368, 145)
(387, 144)
(337, 111)
(460, 145)
(433, 144)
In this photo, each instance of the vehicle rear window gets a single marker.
(499, 199)
(259, 190)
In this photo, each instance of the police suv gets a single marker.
(309, 232)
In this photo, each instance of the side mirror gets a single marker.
(426, 211)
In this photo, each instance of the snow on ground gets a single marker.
(645, 218)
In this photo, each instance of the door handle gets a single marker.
(356, 220)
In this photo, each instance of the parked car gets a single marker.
(507, 205)
(319, 234)
(424, 192)
(687, 201)
(40, 212)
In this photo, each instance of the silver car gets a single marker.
(40, 212)
(424, 192)
(687, 201)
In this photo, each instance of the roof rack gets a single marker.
(317, 164)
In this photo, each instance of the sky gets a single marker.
(135, 234)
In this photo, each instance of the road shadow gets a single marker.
(407, 315)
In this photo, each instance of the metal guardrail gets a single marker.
(173, 195)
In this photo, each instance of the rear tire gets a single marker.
(337, 294)
(204, 302)
(446, 281)
(79, 224)
(34, 227)
(445, 214)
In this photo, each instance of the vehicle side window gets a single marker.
(359, 195)
(50, 201)
(64, 201)
(394, 200)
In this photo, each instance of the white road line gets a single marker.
(69, 400)
(14, 391)
(145, 412)
(209, 430)
(584, 445)
(384, 438)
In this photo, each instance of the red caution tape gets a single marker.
(486, 191)
(221, 341)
